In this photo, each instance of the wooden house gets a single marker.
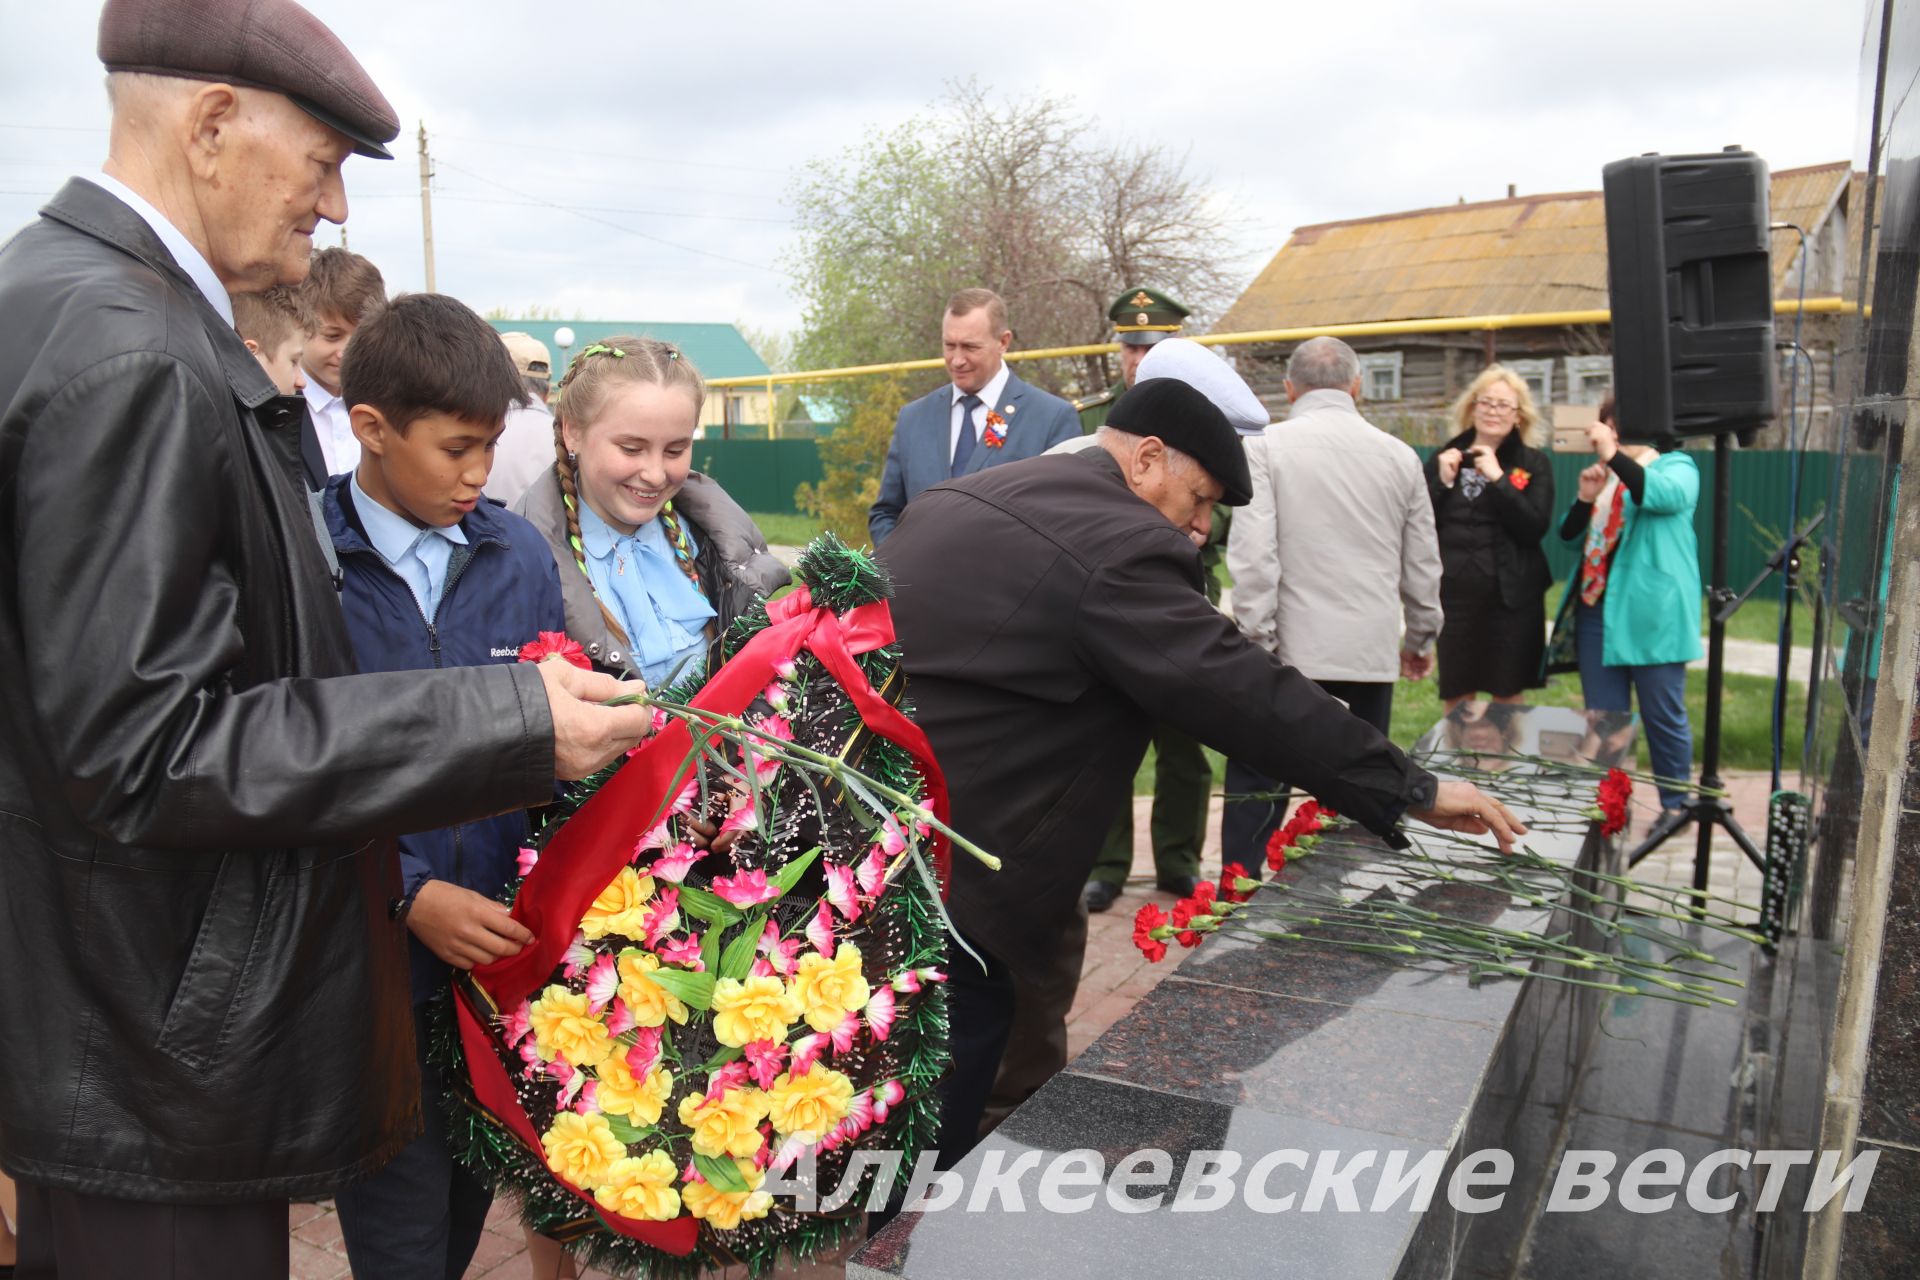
(1522, 255)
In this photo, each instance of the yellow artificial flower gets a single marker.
(564, 1026)
(831, 989)
(621, 907)
(725, 1210)
(641, 1101)
(726, 1125)
(646, 999)
(581, 1148)
(640, 1188)
(812, 1103)
(758, 1009)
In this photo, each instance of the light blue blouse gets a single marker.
(636, 576)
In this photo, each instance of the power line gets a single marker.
(606, 222)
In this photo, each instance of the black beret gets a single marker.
(259, 44)
(1185, 419)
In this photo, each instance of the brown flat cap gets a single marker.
(260, 44)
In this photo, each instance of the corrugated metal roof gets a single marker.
(717, 350)
(1530, 253)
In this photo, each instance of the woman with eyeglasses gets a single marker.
(1492, 503)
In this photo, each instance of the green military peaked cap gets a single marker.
(1144, 316)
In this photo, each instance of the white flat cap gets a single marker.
(1187, 361)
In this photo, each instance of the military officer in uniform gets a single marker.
(1182, 779)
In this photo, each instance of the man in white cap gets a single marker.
(525, 450)
(1336, 567)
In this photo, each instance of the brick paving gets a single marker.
(1114, 978)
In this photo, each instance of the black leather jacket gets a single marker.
(203, 996)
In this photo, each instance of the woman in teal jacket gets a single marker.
(1637, 615)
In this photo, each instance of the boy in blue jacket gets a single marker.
(434, 575)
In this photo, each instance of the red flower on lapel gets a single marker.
(1521, 478)
(995, 435)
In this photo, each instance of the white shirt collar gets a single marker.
(989, 394)
(392, 534)
(184, 254)
(319, 399)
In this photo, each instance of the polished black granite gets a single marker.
(1254, 1047)
(1074, 1112)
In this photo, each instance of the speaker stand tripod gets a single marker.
(1709, 810)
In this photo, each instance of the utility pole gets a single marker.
(426, 205)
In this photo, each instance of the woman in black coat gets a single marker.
(1492, 503)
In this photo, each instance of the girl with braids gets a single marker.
(655, 559)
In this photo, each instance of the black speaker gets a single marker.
(1691, 278)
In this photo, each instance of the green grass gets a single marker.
(1746, 714)
(786, 528)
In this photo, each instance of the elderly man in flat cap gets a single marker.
(1040, 672)
(205, 1009)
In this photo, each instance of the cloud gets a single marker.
(672, 132)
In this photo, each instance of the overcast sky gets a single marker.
(683, 124)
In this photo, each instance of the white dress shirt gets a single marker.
(184, 254)
(989, 400)
(334, 425)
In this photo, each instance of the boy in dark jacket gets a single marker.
(434, 575)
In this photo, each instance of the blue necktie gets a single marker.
(963, 448)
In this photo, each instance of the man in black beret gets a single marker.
(1039, 671)
(206, 1007)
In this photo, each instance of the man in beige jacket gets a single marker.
(1335, 553)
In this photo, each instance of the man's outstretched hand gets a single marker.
(588, 737)
(1461, 806)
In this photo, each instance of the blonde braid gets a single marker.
(570, 499)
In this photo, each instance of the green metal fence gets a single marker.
(762, 475)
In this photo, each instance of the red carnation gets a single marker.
(1145, 921)
(555, 644)
(1185, 912)
(1616, 789)
(1305, 820)
(1277, 845)
(1230, 875)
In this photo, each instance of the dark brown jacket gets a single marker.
(1049, 618)
(202, 997)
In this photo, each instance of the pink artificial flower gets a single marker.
(764, 1156)
(906, 982)
(645, 1052)
(886, 1097)
(760, 968)
(570, 1090)
(519, 1024)
(820, 931)
(776, 727)
(776, 697)
(654, 839)
(785, 669)
(530, 1054)
(579, 956)
(765, 1059)
(842, 1035)
(860, 1111)
(660, 720)
(806, 1051)
(674, 864)
(560, 1069)
(880, 1012)
(781, 953)
(682, 951)
(528, 857)
(731, 1076)
(930, 974)
(603, 979)
(745, 889)
(690, 1173)
(620, 1021)
(872, 873)
(684, 801)
(891, 841)
(663, 917)
(745, 818)
(841, 891)
(921, 826)
(589, 1100)
(791, 1150)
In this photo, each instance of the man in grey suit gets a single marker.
(984, 417)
